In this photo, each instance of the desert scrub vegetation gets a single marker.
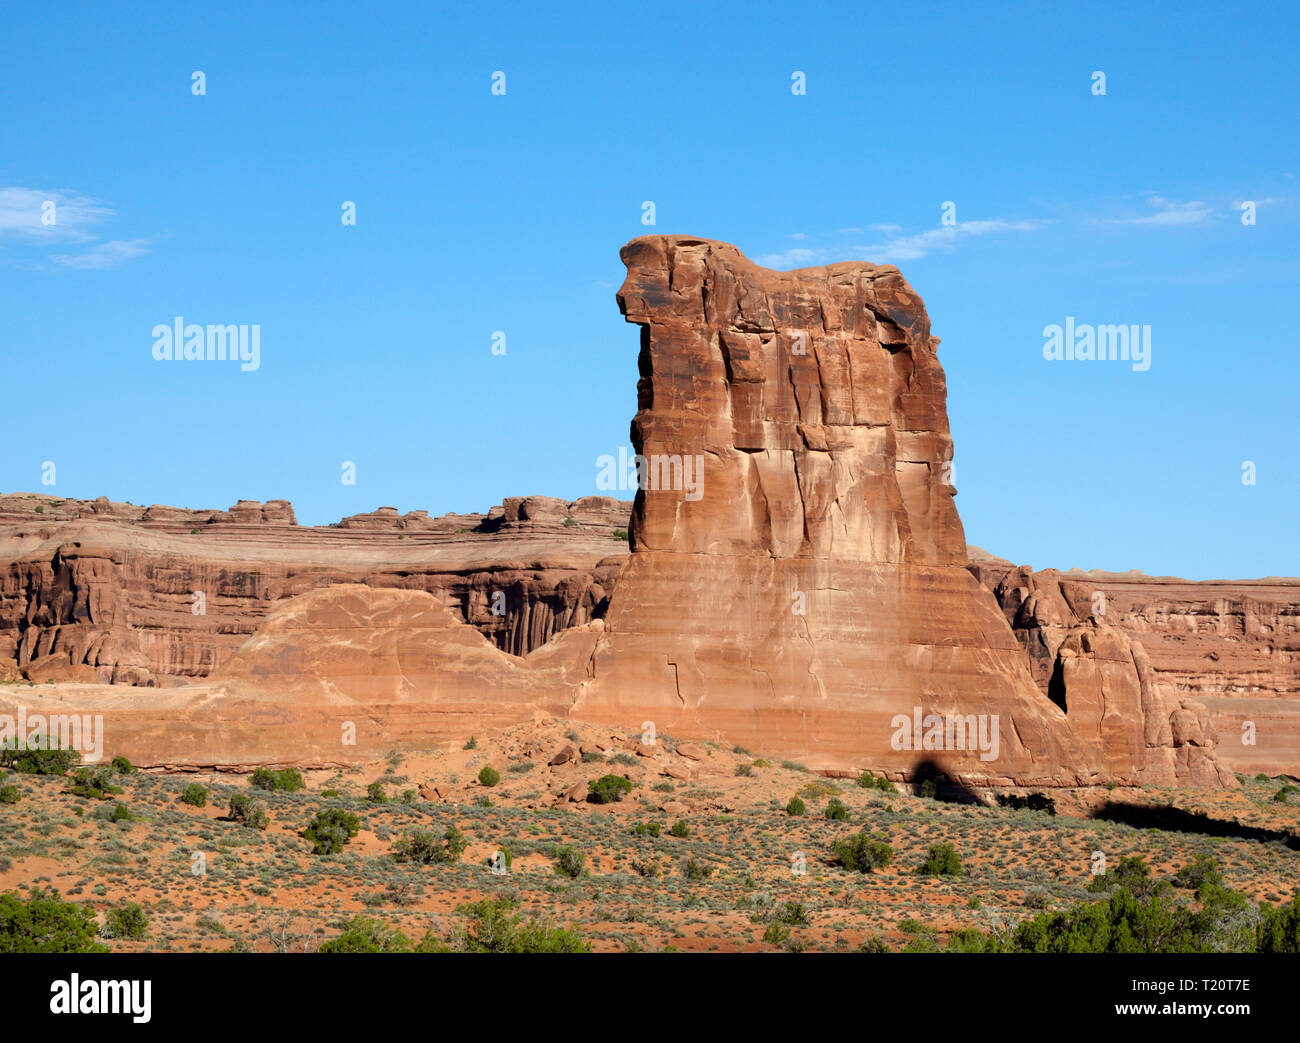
(862, 853)
(942, 860)
(489, 776)
(35, 759)
(571, 862)
(45, 923)
(248, 812)
(287, 780)
(194, 795)
(428, 847)
(126, 921)
(608, 789)
(94, 783)
(330, 830)
(836, 810)
(1032, 802)
(869, 781)
(796, 808)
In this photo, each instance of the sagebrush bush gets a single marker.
(195, 795)
(127, 921)
(570, 862)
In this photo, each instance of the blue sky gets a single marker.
(478, 213)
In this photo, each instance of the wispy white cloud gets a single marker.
(947, 237)
(895, 248)
(104, 255)
(883, 229)
(35, 214)
(1168, 213)
(799, 256)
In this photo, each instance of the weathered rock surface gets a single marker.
(819, 546)
(798, 583)
(1232, 647)
(161, 595)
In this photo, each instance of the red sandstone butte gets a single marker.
(798, 580)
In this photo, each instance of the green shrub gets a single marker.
(121, 813)
(248, 812)
(489, 776)
(122, 766)
(941, 861)
(1132, 874)
(862, 853)
(366, 934)
(792, 913)
(10, 794)
(1200, 872)
(680, 829)
(195, 795)
(287, 780)
(570, 862)
(1032, 802)
(428, 847)
(330, 830)
(745, 770)
(494, 925)
(837, 810)
(1280, 797)
(43, 922)
(795, 807)
(647, 829)
(776, 934)
(874, 944)
(93, 783)
(1278, 929)
(375, 793)
(127, 921)
(693, 870)
(34, 760)
(608, 789)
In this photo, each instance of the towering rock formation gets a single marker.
(798, 581)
